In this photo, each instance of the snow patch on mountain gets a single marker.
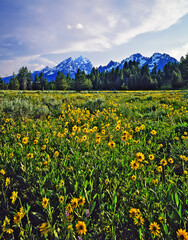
(68, 66)
(157, 58)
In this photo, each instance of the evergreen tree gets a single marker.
(36, 83)
(41, 80)
(125, 66)
(78, 81)
(176, 81)
(52, 85)
(81, 82)
(14, 83)
(122, 83)
(154, 70)
(184, 69)
(132, 82)
(1, 84)
(147, 82)
(167, 72)
(45, 83)
(24, 78)
(60, 81)
(69, 81)
(157, 76)
(95, 78)
(29, 81)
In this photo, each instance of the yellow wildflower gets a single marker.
(2, 171)
(14, 196)
(154, 228)
(44, 228)
(45, 202)
(7, 182)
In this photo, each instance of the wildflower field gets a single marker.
(94, 165)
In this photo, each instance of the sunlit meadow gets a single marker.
(94, 165)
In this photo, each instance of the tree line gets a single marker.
(130, 77)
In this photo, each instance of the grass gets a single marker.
(94, 165)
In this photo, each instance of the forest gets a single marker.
(130, 77)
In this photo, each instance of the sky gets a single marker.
(40, 33)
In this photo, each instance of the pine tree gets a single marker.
(41, 80)
(52, 85)
(69, 81)
(81, 82)
(78, 81)
(1, 84)
(36, 83)
(23, 76)
(29, 81)
(147, 82)
(60, 81)
(14, 83)
(184, 69)
(177, 81)
(45, 83)
(95, 78)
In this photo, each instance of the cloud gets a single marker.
(33, 63)
(97, 44)
(77, 26)
(180, 51)
(161, 16)
(35, 28)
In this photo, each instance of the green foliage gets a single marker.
(25, 78)
(14, 83)
(81, 82)
(176, 81)
(130, 77)
(1, 84)
(67, 158)
(184, 69)
(60, 82)
(23, 108)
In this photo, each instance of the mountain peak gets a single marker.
(157, 54)
(137, 55)
(68, 66)
(80, 58)
(71, 66)
(157, 58)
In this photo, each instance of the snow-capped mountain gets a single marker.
(109, 67)
(157, 58)
(69, 66)
(160, 60)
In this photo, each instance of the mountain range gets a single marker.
(70, 66)
(157, 58)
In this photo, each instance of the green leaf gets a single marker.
(179, 211)
(115, 201)
(176, 199)
(92, 208)
(95, 196)
(165, 229)
(102, 196)
(140, 233)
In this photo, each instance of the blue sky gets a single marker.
(39, 33)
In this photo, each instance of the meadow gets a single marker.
(94, 165)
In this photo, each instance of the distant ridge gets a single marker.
(70, 66)
(157, 58)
